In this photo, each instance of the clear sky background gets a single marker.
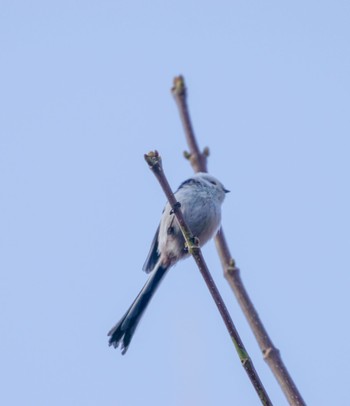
(84, 93)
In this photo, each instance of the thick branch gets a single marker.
(231, 272)
(154, 161)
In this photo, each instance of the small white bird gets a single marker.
(201, 198)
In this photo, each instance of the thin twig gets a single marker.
(231, 272)
(198, 159)
(154, 161)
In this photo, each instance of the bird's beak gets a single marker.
(227, 191)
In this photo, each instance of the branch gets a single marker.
(154, 161)
(197, 159)
(231, 272)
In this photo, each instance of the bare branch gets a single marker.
(154, 161)
(197, 158)
(231, 272)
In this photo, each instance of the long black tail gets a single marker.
(123, 331)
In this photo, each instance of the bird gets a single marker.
(200, 198)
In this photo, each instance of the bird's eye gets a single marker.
(212, 182)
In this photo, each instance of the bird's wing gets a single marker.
(153, 255)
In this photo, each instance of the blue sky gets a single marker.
(84, 93)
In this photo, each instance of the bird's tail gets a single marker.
(123, 331)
